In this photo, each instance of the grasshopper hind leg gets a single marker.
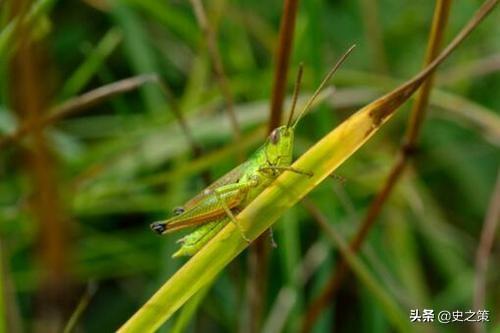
(231, 216)
(193, 242)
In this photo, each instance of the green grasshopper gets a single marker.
(217, 204)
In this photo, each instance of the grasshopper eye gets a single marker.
(274, 137)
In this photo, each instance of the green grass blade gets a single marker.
(387, 303)
(3, 314)
(92, 63)
(189, 310)
(139, 52)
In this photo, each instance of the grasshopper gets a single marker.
(218, 204)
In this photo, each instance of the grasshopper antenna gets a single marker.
(296, 90)
(323, 83)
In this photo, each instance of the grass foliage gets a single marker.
(107, 171)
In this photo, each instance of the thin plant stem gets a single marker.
(373, 34)
(384, 299)
(94, 97)
(87, 100)
(483, 252)
(80, 308)
(78, 104)
(440, 20)
(10, 318)
(287, 297)
(218, 67)
(259, 252)
(29, 65)
(283, 53)
(92, 64)
(3, 310)
(473, 69)
(195, 147)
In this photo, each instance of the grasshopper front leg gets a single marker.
(286, 168)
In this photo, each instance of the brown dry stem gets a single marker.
(440, 19)
(218, 67)
(483, 252)
(259, 252)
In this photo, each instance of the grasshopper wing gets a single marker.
(206, 206)
(230, 177)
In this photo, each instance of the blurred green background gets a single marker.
(76, 199)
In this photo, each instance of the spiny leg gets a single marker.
(231, 216)
(287, 168)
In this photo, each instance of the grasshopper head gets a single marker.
(280, 146)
